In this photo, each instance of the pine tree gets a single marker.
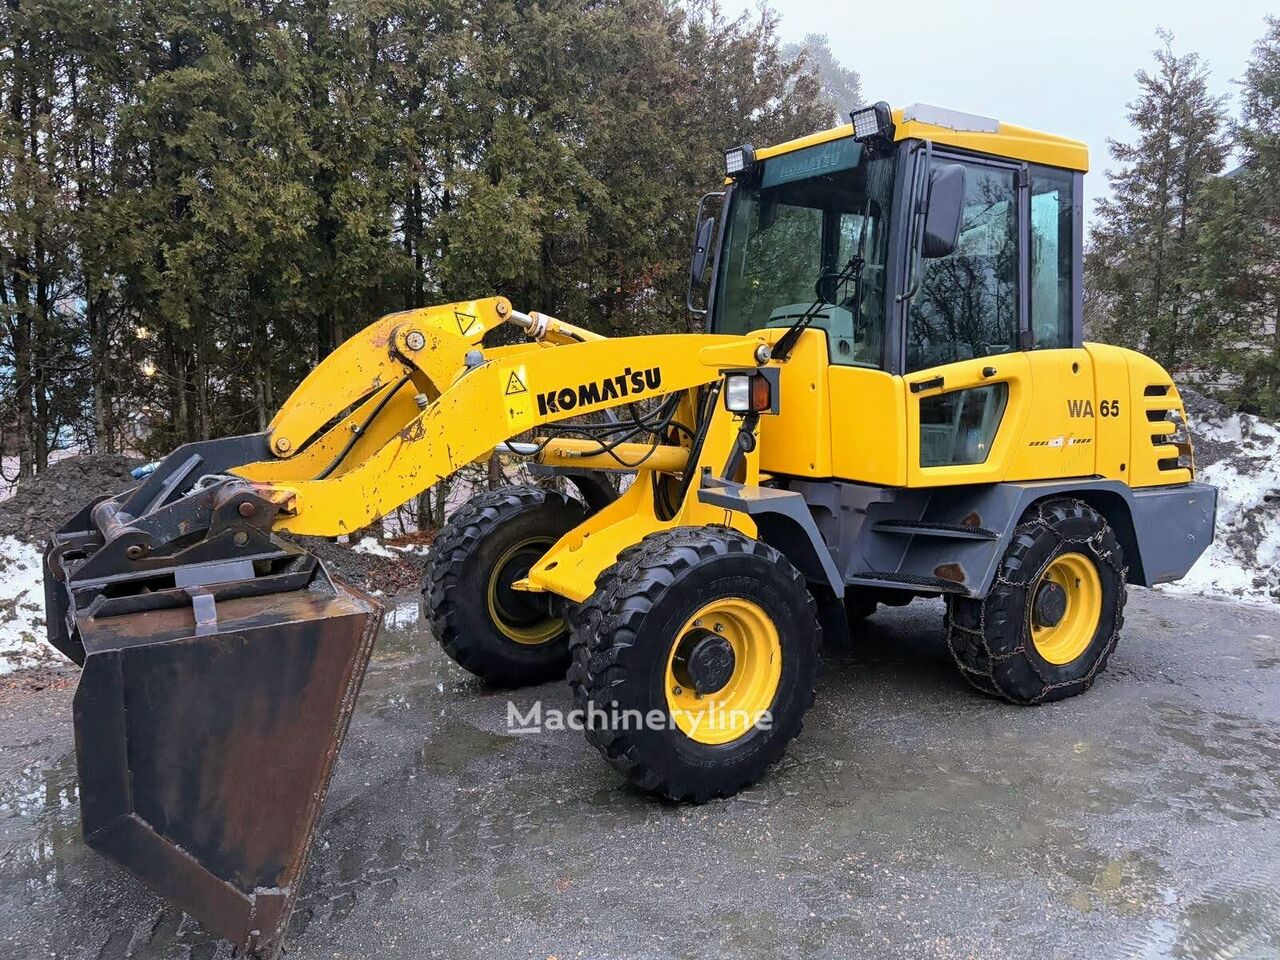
(1239, 272)
(1144, 243)
(40, 350)
(200, 198)
(572, 188)
(841, 86)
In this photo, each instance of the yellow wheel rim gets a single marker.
(1067, 639)
(730, 712)
(520, 622)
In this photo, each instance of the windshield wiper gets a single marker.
(834, 281)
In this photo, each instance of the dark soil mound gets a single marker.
(45, 502)
(366, 571)
(1202, 407)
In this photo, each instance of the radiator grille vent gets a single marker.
(1164, 406)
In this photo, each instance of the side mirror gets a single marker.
(703, 236)
(701, 250)
(946, 208)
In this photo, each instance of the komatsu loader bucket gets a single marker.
(220, 668)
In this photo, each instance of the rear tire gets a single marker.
(636, 649)
(1053, 616)
(505, 637)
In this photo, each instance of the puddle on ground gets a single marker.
(444, 800)
(39, 789)
(403, 629)
(1221, 765)
(46, 800)
(408, 671)
(1240, 921)
(399, 618)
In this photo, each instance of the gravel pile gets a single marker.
(45, 502)
(1203, 413)
(385, 571)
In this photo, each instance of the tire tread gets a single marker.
(607, 623)
(987, 638)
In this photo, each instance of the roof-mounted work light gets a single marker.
(739, 160)
(873, 123)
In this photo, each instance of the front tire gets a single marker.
(1053, 616)
(710, 630)
(506, 637)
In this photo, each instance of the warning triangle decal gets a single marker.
(515, 384)
(465, 321)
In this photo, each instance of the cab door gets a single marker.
(965, 419)
(968, 385)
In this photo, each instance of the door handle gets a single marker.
(920, 386)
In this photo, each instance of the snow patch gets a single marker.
(22, 633)
(373, 548)
(388, 551)
(1244, 560)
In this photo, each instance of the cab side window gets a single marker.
(967, 303)
(1052, 225)
(960, 426)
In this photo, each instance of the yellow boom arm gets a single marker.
(414, 397)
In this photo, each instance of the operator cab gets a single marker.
(811, 212)
(968, 232)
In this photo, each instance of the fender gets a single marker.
(785, 522)
(951, 540)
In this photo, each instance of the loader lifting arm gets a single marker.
(425, 401)
(221, 663)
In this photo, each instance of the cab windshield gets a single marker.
(812, 211)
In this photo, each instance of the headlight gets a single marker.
(737, 393)
(748, 393)
(873, 122)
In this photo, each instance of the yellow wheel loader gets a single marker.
(891, 400)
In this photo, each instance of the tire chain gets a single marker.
(975, 636)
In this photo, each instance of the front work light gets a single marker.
(874, 122)
(748, 393)
(738, 160)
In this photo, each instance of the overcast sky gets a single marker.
(1064, 66)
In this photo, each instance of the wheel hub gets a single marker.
(521, 606)
(705, 662)
(1050, 604)
(723, 670)
(521, 616)
(1066, 608)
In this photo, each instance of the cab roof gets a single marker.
(965, 131)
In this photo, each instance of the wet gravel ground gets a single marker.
(913, 819)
